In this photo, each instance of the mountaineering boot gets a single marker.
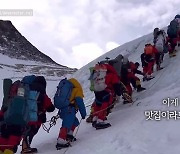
(144, 78)
(26, 147)
(126, 102)
(148, 78)
(61, 146)
(61, 143)
(139, 88)
(89, 119)
(173, 54)
(159, 68)
(70, 138)
(102, 124)
(94, 123)
(29, 150)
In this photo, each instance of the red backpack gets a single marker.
(148, 50)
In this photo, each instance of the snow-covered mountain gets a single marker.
(18, 54)
(133, 131)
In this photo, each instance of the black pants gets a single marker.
(172, 43)
(32, 131)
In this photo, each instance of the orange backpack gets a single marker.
(148, 50)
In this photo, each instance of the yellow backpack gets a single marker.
(7, 151)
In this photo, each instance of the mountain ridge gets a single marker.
(15, 46)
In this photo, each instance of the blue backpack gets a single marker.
(28, 79)
(22, 105)
(32, 97)
(63, 93)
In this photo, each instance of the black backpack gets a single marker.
(39, 84)
(172, 29)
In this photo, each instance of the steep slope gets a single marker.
(16, 46)
(131, 131)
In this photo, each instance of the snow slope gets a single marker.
(131, 132)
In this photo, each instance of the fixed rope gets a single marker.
(52, 123)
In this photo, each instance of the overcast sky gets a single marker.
(74, 32)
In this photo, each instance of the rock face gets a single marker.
(16, 46)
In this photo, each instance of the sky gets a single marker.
(74, 32)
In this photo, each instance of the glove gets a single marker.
(42, 117)
(51, 108)
(83, 117)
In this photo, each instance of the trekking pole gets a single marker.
(78, 128)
